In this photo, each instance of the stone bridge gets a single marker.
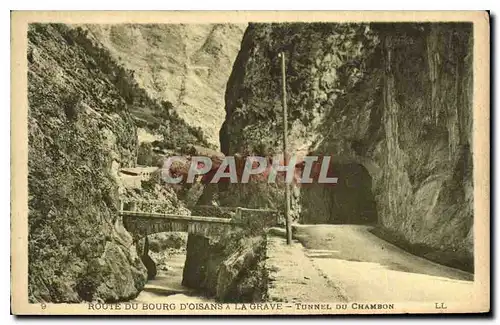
(140, 219)
(142, 223)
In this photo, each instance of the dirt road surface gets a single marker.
(363, 267)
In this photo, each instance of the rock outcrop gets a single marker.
(186, 65)
(148, 261)
(391, 103)
(229, 268)
(79, 132)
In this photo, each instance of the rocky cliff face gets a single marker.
(229, 268)
(186, 65)
(391, 103)
(81, 131)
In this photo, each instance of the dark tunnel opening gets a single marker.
(352, 198)
(350, 201)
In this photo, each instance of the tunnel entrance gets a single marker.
(350, 201)
(352, 198)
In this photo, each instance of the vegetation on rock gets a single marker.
(78, 126)
(82, 121)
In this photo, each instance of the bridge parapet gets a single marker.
(145, 223)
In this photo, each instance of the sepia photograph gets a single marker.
(250, 163)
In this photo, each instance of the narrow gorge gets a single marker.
(109, 104)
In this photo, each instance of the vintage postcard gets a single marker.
(249, 163)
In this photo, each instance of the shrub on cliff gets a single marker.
(176, 133)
